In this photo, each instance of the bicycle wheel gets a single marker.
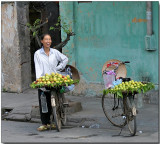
(64, 118)
(56, 113)
(63, 110)
(131, 121)
(113, 110)
(57, 119)
(131, 117)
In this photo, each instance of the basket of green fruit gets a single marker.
(129, 88)
(53, 80)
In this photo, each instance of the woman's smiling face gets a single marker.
(46, 41)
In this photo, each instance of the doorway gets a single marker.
(42, 10)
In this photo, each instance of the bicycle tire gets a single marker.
(63, 110)
(131, 119)
(132, 126)
(111, 107)
(64, 118)
(57, 118)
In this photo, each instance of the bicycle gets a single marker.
(120, 111)
(59, 106)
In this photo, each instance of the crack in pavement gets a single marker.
(82, 136)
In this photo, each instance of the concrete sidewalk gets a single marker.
(84, 111)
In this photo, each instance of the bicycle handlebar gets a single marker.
(120, 64)
(126, 62)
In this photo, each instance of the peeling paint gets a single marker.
(94, 76)
(135, 20)
(74, 64)
(79, 38)
(65, 51)
(9, 11)
(68, 11)
(70, 28)
(72, 45)
(91, 69)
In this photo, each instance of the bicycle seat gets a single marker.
(125, 79)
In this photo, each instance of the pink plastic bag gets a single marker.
(109, 78)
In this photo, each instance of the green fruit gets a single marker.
(68, 76)
(57, 82)
(46, 77)
(46, 74)
(55, 79)
(52, 73)
(48, 82)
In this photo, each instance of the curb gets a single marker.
(31, 114)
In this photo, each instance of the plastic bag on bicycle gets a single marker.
(109, 78)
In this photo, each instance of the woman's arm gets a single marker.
(62, 59)
(38, 67)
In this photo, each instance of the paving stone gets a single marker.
(16, 117)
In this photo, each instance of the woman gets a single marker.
(47, 60)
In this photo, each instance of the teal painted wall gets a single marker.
(110, 30)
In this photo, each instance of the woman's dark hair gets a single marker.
(42, 36)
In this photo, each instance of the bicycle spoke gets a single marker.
(113, 111)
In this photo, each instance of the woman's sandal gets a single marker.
(42, 128)
(52, 126)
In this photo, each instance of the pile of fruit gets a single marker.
(129, 87)
(53, 80)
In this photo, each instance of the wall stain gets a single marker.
(94, 76)
(72, 45)
(91, 69)
(79, 38)
(65, 51)
(135, 20)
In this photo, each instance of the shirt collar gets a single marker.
(42, 50)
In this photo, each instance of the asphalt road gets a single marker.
(26, 132)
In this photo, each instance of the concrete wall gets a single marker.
(24, 44)
(110, 30)
(16, 72)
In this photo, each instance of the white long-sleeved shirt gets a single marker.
(48, 64)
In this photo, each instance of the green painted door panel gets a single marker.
(111, 30)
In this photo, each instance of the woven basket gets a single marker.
(120, 72)
(74, 71)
